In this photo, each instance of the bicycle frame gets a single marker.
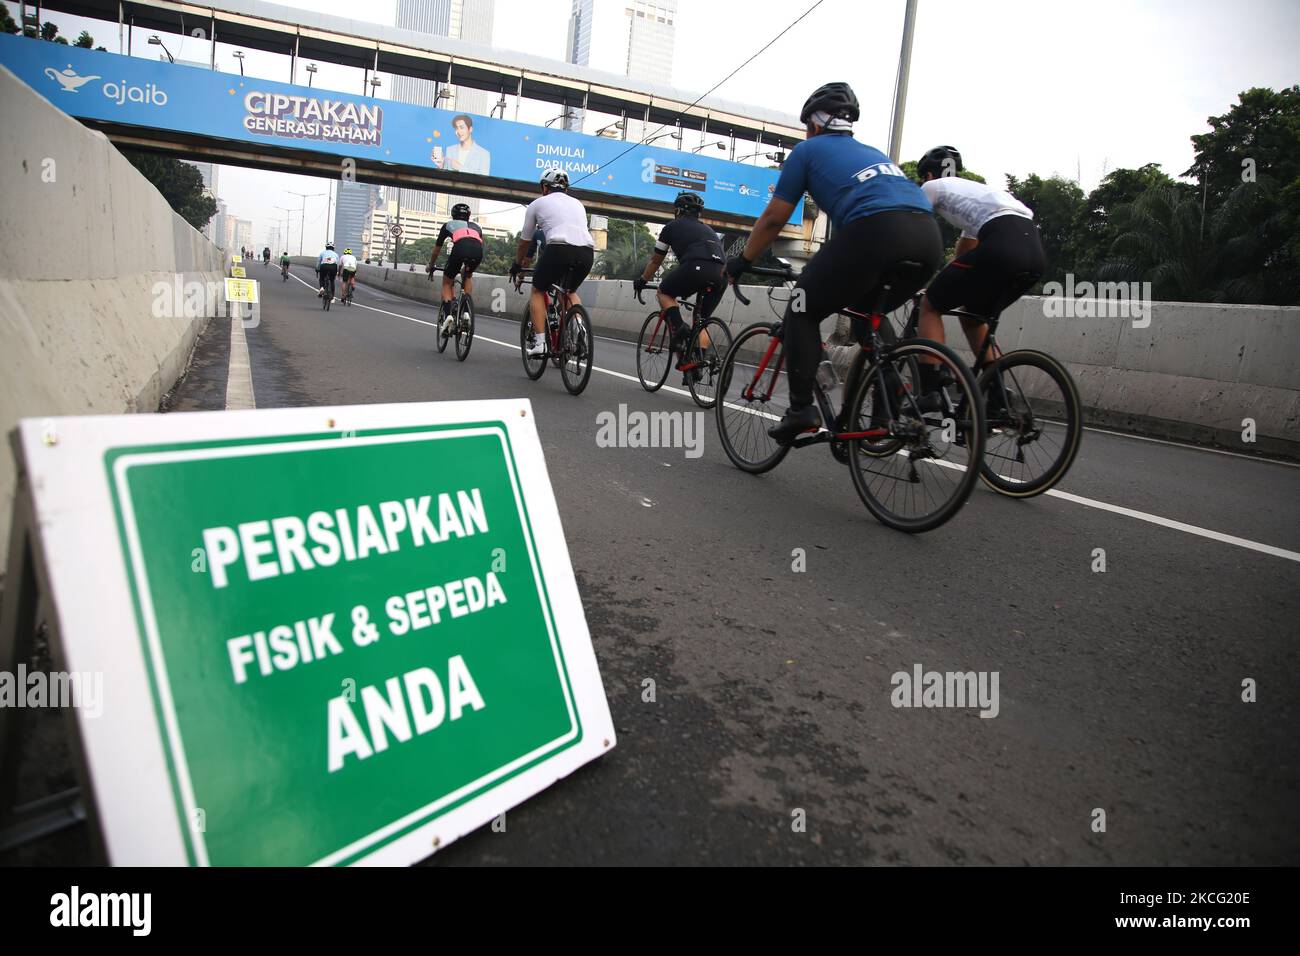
(696, 321)
(831, 432)
(558, 301)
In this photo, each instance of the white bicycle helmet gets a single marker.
(555, 178)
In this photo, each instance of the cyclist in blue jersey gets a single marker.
(880, 217)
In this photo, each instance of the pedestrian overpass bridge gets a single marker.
(288, 127)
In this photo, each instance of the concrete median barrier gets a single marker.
(1208, 373)
(93, 294)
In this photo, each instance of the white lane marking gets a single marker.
(239, 370)
(1178, 525)
(1064, 495)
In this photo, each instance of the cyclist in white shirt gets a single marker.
(569, 249)
(327, 267)
(997, 259)
(348, 270)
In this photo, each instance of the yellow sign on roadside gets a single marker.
(237, 259)
(241, 290)
(237, 272)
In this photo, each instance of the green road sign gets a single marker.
(356, 642)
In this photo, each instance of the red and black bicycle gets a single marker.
(567, 338)
(702, 351)
(913, 458)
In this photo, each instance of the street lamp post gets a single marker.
(156, 40)
(285, 220)
(303, 228)
(311, 73)
(239, 55)
(720, 144)
(900, 87)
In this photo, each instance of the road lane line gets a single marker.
(1064, 495)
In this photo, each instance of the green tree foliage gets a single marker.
(85, 41)
(1259, 139)
(1193, 254)
(7, 23)
(1055, 202)
(180, 184)
(1093, 233)
(629, 247)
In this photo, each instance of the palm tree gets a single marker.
(1190, 254)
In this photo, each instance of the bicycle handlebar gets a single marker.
(789, 275)
(649, 288)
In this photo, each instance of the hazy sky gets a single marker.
(1019, 86)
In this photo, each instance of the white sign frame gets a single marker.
(130, 790)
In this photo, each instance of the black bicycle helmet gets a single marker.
(460, 211)
(838, 99)
(942, 161)
(688, 202)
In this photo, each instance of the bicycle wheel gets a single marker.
(706, 360)
(534, 365)
(576, 350)
(465, 327)
(934, 467)
(654, 352)
(1034, 420)
(442, 336)
(752, 395)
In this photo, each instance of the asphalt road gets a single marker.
(1118, 690)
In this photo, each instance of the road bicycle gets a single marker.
(462, 309)
(567, 338)
(707, 343)
(327, 283)
(348, 290)
(909, 455)
(284, 273)
(1034, 418)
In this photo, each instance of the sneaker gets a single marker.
(536, 345)
(796, 420)
(447, 323)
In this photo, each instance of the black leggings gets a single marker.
(846, 274)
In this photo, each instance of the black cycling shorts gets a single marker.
(329, 270)
(1005, 264)
(846, 273)
(465, 253)
(563, 265)
(702, 276)
(347, 274)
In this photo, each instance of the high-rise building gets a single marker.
(243, 238)
(464, 20)
(352, 210)
(216, 228)
(631, 37)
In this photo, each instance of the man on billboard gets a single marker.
(466, 156)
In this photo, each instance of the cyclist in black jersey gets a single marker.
(700, 269)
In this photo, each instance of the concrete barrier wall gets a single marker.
(88, 240)
(1188, 371)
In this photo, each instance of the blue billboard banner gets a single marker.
(131, 90)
